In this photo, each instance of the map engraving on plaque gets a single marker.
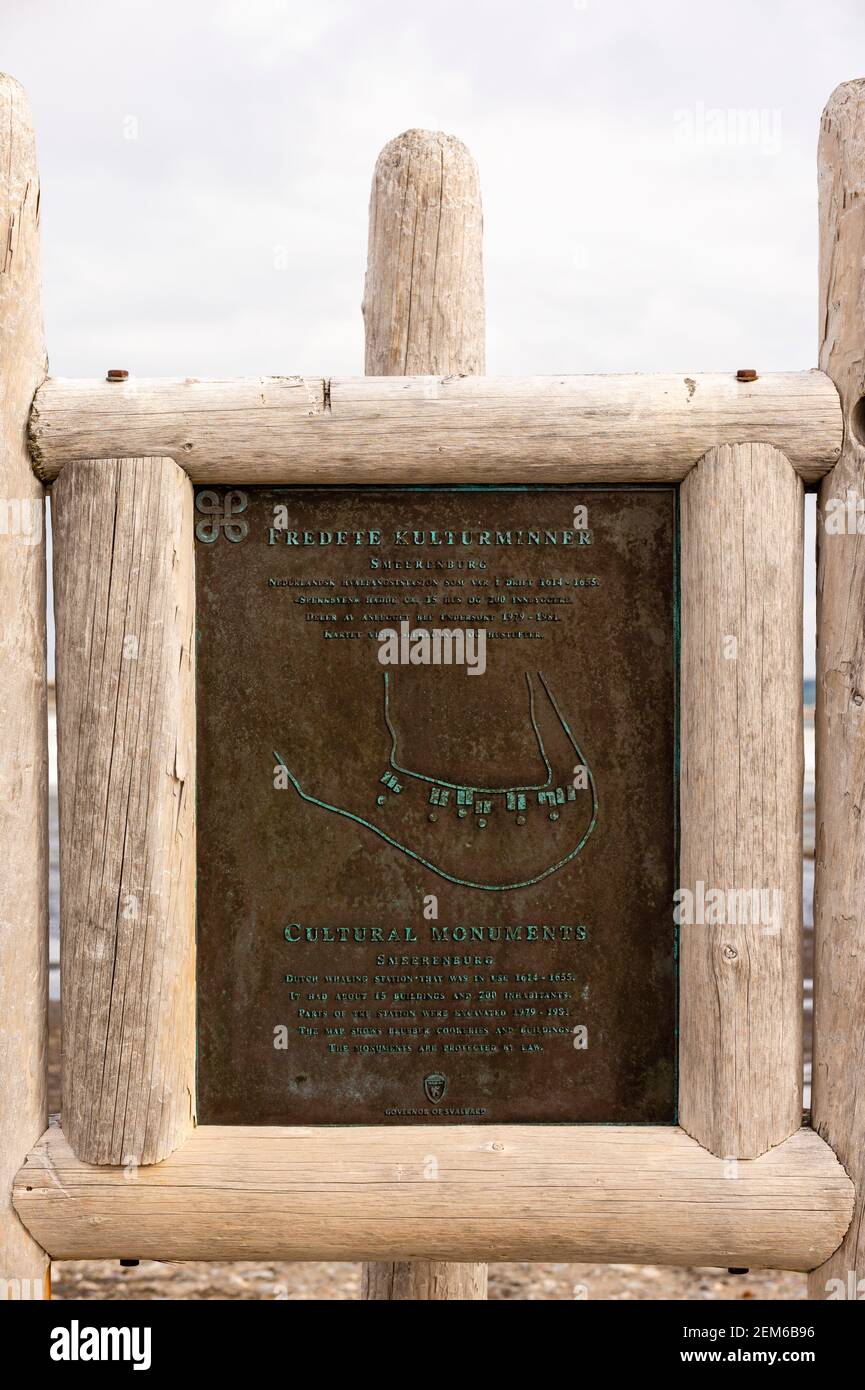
(437, 733)
(484, 801)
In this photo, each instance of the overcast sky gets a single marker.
(637, 217)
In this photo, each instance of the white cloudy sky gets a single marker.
(620, 234)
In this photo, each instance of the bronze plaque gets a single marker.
(437, 762)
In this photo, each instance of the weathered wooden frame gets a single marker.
(738, 1181)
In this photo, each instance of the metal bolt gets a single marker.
(730, 953)
(746, 374)
(116, 374)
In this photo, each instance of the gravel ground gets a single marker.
(105, 1279)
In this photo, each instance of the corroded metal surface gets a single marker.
(434, 891)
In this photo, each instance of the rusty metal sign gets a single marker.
(436, 804)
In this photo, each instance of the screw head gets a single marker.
(116, 374)
(746, 374)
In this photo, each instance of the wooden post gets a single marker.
(124, 604)
(23, 723)
(741, 801)
(426, 1280)
(423, 303)
(423, 310)
(838, 1096)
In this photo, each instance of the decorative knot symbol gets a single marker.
(217, 513)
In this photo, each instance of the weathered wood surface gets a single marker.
(125, 606)
(23, 718)
(431, 1281)
(504, 1192)
(741, 799)
(423, 302)
(424, 312)
(838, 1095)
(564, 429)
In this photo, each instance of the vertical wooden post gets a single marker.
(124, 606)
(23, 716)
(423, 311)
(423, 301)
(741, 800)
(838, 1093)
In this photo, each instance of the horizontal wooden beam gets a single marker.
(462, 1192)
(456, 429)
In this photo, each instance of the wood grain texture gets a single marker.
(430, 1281)
(424, 312)
(124, 604)
(630, 1194)
(740, 1088)
(423, 303)
(23, 718)
(838, 1094)
(564, 429)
